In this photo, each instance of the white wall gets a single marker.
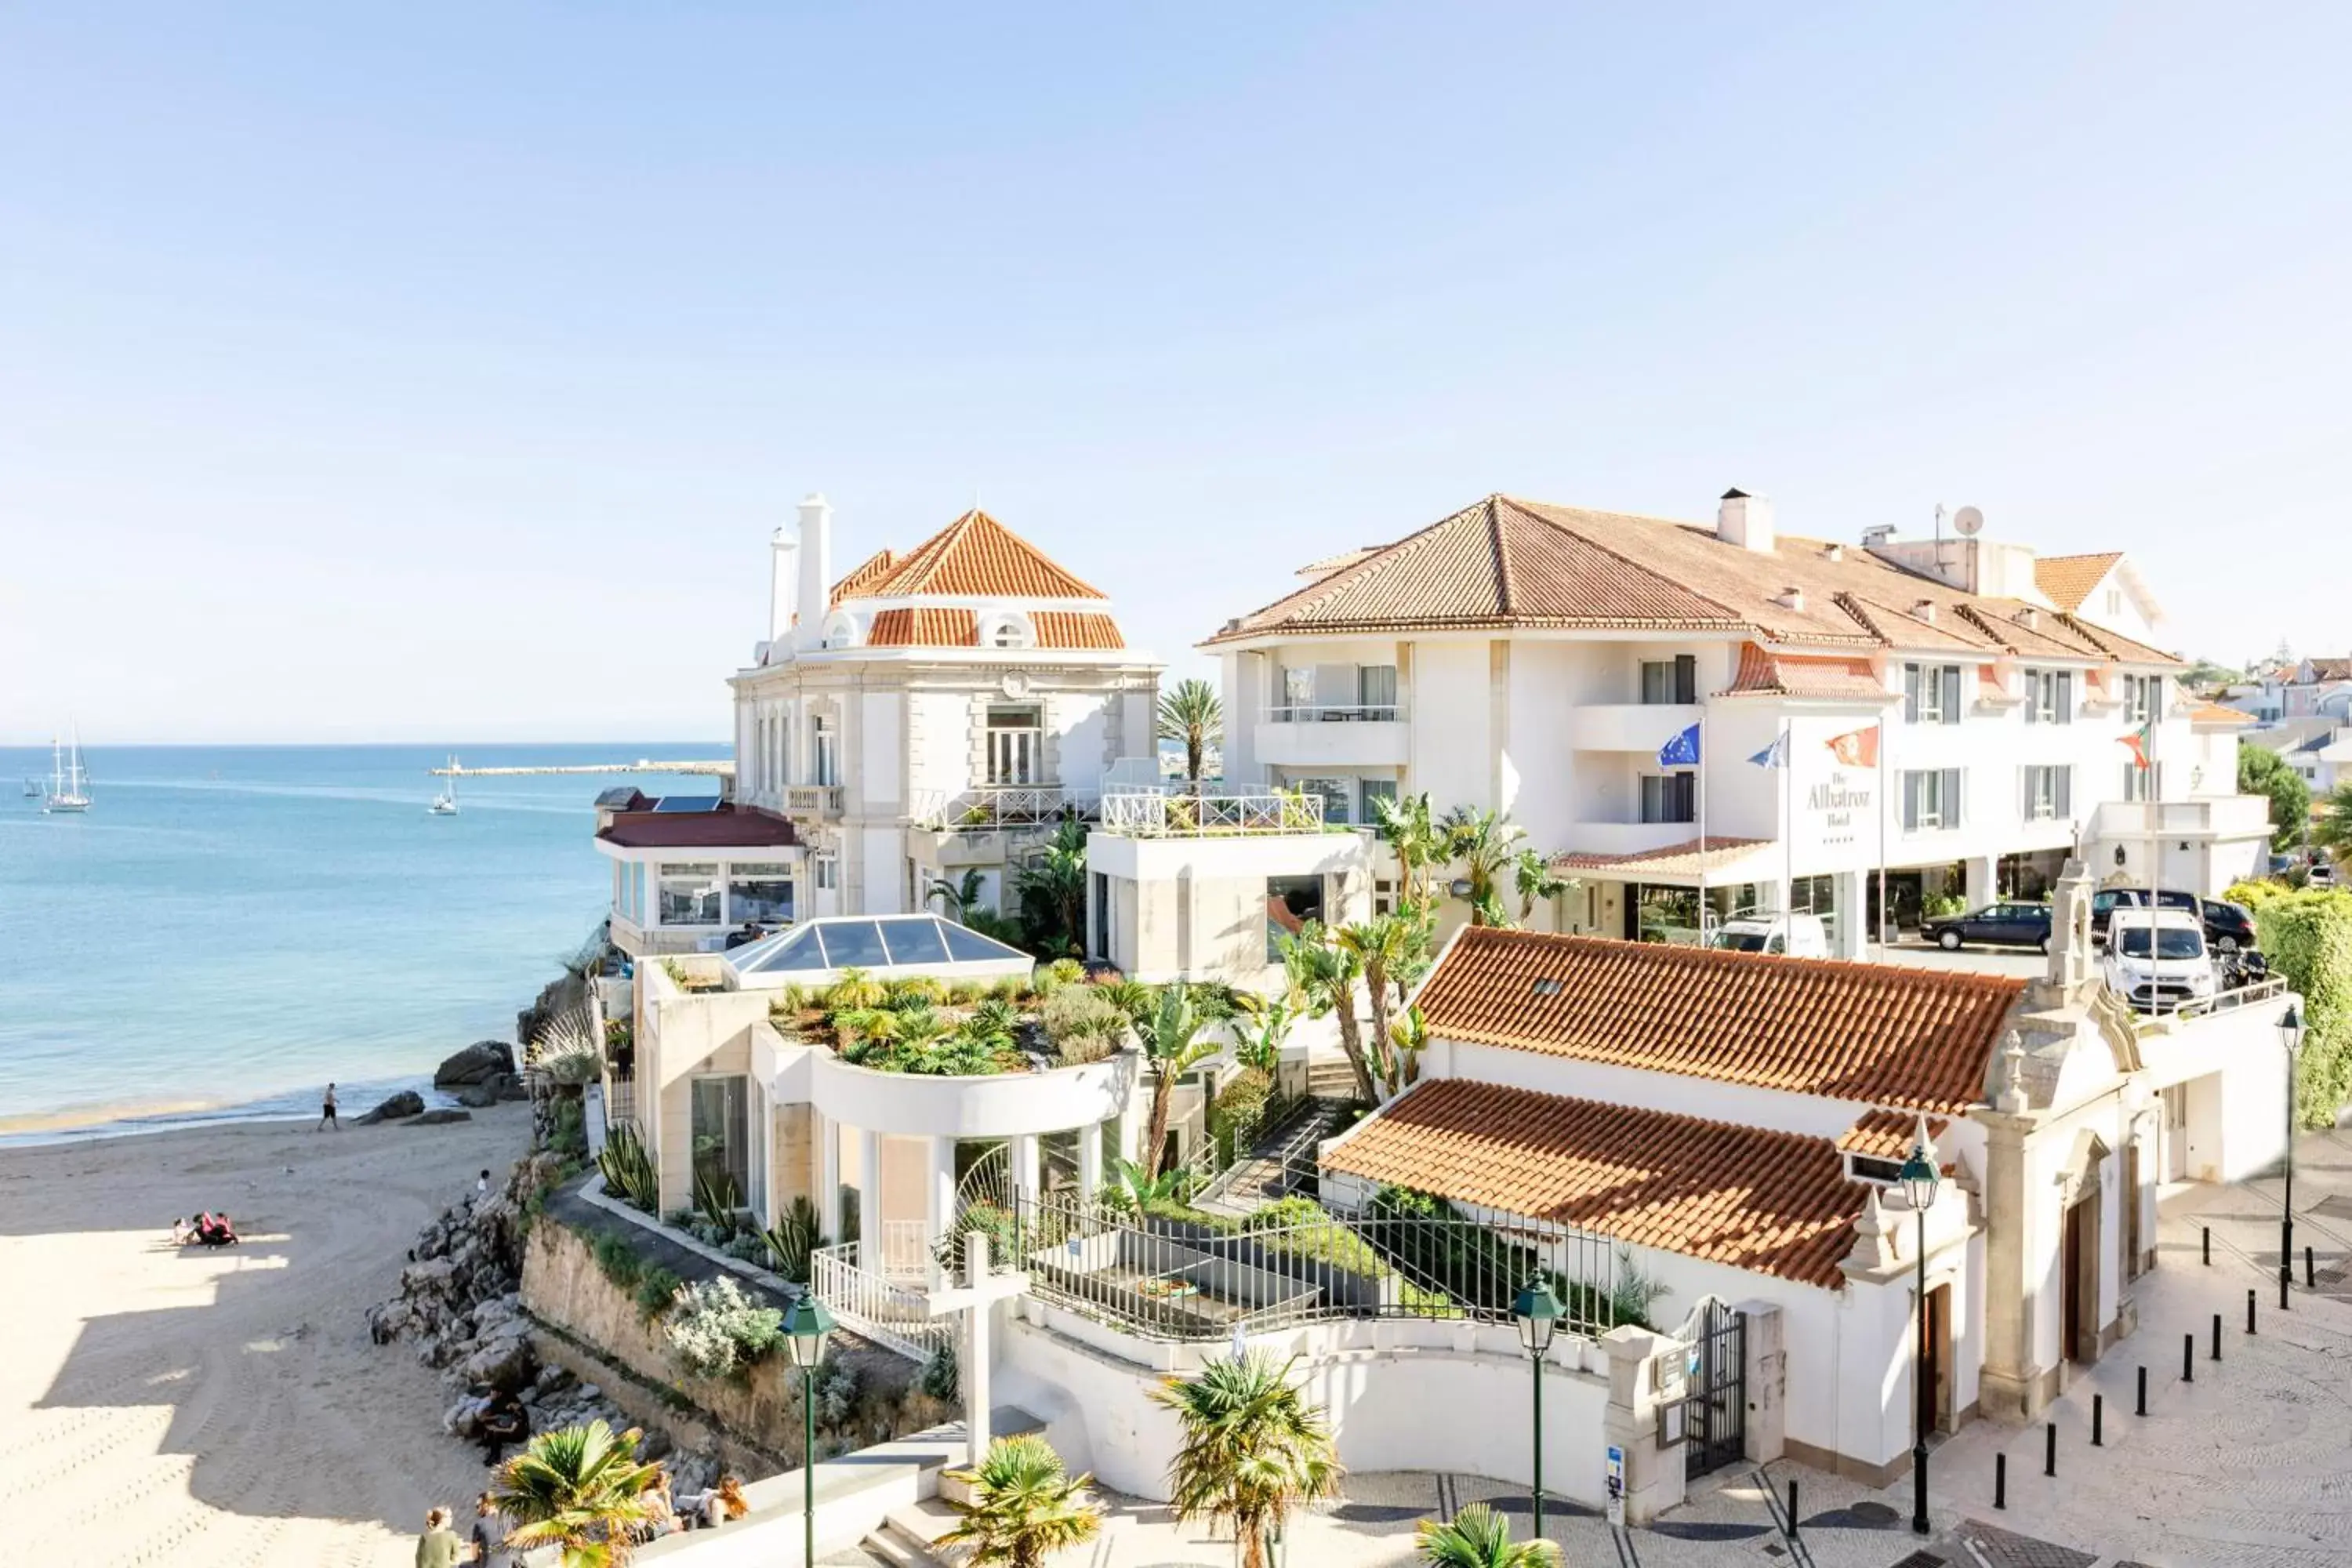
(1452, 754)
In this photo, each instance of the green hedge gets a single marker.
(2308, 939)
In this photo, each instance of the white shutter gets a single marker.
(1951, 797)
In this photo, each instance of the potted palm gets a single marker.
(580, 1489)
(1477, 1537)
(1253, 1450)
(1024, 1506)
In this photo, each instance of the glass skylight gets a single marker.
(815, 952)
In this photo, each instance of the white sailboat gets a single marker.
(69, 785)
(446, 803)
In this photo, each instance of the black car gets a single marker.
(2004, 925)
(2227, 927)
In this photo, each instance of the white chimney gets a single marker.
(1746, 521)
(783, 584)
(816, 570)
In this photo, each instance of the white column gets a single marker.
(1852, 897)
(939, 1189)
(1982, 872)
(828, 1133)
(1090, 1163)
(973, 1372)
(1025, 1164)
(869, 1198)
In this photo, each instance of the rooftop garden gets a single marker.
(1055, 1017)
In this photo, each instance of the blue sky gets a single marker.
(438, 372)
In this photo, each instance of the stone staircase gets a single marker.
(908, 1537)
(1282, 1153)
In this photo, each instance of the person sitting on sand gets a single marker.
(439, 1547)
(327, 1112)
(503, 1423)
(710, 1510)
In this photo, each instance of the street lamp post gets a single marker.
(2291, 1036)
(1919, 1183)
(1538, 1312)
(807, 1327)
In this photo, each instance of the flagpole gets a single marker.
(1701, 827)
(1789, 831)
(1885, 912)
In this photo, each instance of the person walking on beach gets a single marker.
(327, 1112)
(439, 1547)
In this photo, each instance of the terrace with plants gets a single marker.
(959, 1029)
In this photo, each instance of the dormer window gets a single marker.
(840, 631)
(1011, 631)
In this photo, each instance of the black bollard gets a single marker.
(2310, 1271)
(2208, 1246)
(2250, 1313)
(2098, 1420)
(2050, 1448)
(2189, 1358)
(2217, 1330)
(2001, 1480)
(2143, 1393)
(1792, 1508)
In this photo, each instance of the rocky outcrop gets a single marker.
(478, 1096)
(408, 1102)
(490, 1062)
(441, 1118)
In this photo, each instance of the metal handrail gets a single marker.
(1199, 815)
(1336, 713)
(988, 806)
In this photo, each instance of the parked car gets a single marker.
(2157, 960)
(1797, 936)
(2003, 925)
(2323, 874)
(2107, 900)
(2228, 927)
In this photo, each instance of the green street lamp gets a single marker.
(1538, 1312)
(2291, 1036)
(807, 1327)
(1920, 1180)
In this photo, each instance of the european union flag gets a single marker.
(1681, 752)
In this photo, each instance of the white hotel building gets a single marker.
(1533, 659)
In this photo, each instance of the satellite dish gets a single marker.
(1968, 522)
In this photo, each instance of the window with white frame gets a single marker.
(1011, 631)
(1931, 693)
(2115, 602)
(2049, 696)
(1376, 691)
(1371, 792)
(1670, 681)
(1338, 796)
(828, 869)
(1931, 799)
(2049, 792)
(825, 747)
(2143, 697)
(2143, 783)
(758, 893)
(1016, 745)
(1669, 797)
(690, 892)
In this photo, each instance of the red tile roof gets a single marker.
(974, 555)
(2067, 580)
(924, 627)
(1770, 1203)
(2214, 713)
(1720, 852)
(1505, 561)
(729, 827)
(1887, 1134)
(867, 572)
(1883, 1035)
(1763, 674)
(1075, 629)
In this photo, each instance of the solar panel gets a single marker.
(679, 803)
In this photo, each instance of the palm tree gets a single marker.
(2331, 824)
(1024, 1506)
(580, 1489)
(1405, 825)
(1478, 1537)
(1191, 712)
(1172, 1045)
(1252, 1448)
(1383, 947)
(1327, 976)
(1053, 889)
(1408, 1038)
(1128, 1185)
(1536, 881)
(1487, 846)
(961, 897)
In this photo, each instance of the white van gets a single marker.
(1799, 936)
(2157, 959)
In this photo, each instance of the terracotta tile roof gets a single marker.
(1506, 562)
(1075, 629)
(1909, 1039)
(924, 627)
(2068, 580)
(1887, 1134)
(872, 570)
(1674, 858)
(729, 827)
(2214, 713)
(1770, 1203)
(2330, 669)
(1763, 674)
(976, 554)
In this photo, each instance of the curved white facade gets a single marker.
(1002, 1105)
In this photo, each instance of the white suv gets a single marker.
(2157, 959)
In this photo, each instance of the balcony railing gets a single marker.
(1337, 713)
(991, 806)
(1179, 816)
(812, 800)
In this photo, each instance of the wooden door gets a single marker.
(1935, 1332)
(2072, 1284)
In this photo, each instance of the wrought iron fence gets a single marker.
(1182, 1275)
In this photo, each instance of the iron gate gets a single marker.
(1715, 1421)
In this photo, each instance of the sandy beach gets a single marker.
(219, 1407)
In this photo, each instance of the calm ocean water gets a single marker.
(229, 928)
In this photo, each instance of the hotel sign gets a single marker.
(1836, 806)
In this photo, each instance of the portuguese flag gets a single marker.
(2142, 743)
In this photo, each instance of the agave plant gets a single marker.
(1478, 1537)
(628, 1169)
(580, 1489)
(715, 1197)
(566, 1048)
(1024, 1507)
(794, 1239)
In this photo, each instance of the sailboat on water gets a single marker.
(446, 803)
(69, 784)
